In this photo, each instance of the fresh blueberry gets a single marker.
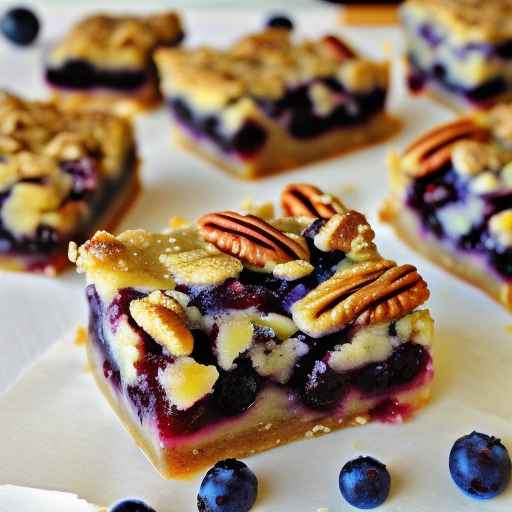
(20, 25)
(280, 21)
(132, 505)
(230, 486)
(480, 465)
(364, 482)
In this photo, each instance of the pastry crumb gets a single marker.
(176, 222)
(195, 451)
(80, 336)
(361, 420)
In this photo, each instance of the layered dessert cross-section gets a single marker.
(62, 176)
(105, 62)
(269, 103)
(452, 199)
(460, 51)
(235, 335)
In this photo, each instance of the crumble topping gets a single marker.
(262, 65)
(466, 20)
(117, 41)
(500, 227)
(186, 382)
(36, 140)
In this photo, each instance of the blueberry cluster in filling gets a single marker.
(312, 382)
(86, 187)
(295, 111)
(427, 196)
(418, 78)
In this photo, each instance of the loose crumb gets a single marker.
(268, 426)
(195, 451)
(80, 336)
(361, 420)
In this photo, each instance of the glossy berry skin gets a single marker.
(280, 21)
(480, 465)
(364, 482)
(132, 505)
(20, 26)
(230, 486)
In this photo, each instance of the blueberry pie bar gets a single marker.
(460, 50)
(268, 103)
(234, 334)
(452, 199)
(105, 62)
(62, 175)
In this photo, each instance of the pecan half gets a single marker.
(434, 149)
(368, 293)
(350, 233)
(250, 239)
(337, 48)
(304, 200)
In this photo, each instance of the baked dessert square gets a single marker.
(236, 334)
(105, 61)
(460, 51)
(269, 103)
(62, 176)
(452, 199)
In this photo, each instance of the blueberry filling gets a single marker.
(85, 187)
(80, 74)
(295, 111)
(418, 77)
(427, 196)
(313, 382)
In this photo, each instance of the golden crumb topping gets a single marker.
(262, 65)
(36, 138)
(118, 41)
(466, 20)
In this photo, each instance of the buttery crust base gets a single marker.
(124, 105)
(111, 218)
(283, 152)
(180, 462)
(408, 229)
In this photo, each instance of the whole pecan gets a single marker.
(250, 239)
(368, 293)
(433, 150)
(304, 200)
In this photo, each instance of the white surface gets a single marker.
(57, 432)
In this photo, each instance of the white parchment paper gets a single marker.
(56, 430)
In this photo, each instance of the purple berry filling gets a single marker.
(85, 187)
(426, 196)
(418, 78)
(313, 383)
(295, 111)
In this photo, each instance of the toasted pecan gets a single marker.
(338, 48)
(350, 233)
(250, 239)
(368, 293)
(304, 200)
(433, 150)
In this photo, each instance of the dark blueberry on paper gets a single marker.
(480, 465)
(132, 505)
(236, 390)
(280, 21)
(230, 486)
(364, 482)
(20, 26)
